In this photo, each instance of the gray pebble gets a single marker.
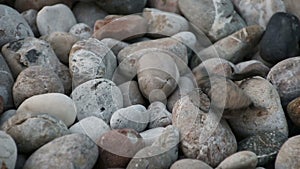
(6, 84)
(131, 94)
(8, 151)
(81, 30)
(149, 136)
(159, 115)
(239, 160)
(30, 17)
(190, 164)
(114, 45)
(122, 7)
(6, 115)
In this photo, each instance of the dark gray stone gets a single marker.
(122, 7)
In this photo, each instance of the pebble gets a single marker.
(284, 76)
(6, 115)
(13, 25)
(167, 5)
(239, 160)
(217, 18)
(204, 136)
(190, 164)
(250, 68)
(33, 131)
(287, 28)
(150, 135)
(134, 117)
(63, 73)
(92, 126)
(131, 94)
(114, 45)
(55, 18)
(88, 13)
(81, 30)
(35, 80)
(162, 24)
(55, 104)
(70, 151)
(120, 27)
(265, 115)
(22, 5)
(1, 105)
(30, 16)
(288, 154)
(159, 115)
(258, 12)
(8, 153)
(99, 97)
(265, 145)
(6, 84)
(117, 147)
(122, 7)
(293, 110)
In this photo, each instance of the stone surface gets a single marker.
(70, 151)
(6, 84)
(249, 69)
(99, 97)
(216, 18)
(55, 18)
(30, 16)
(6, 115)
(58, 105)
(122, 7)
(120, 27)
(161, 24)
(81, 30)
(22, 5)
(131, 94)
(285, 77)
(292, 7)
(165, 5)
(114, 45)
(149, 136)
(293, 110)
(265, 145)
(288, 154)
(258, 12)
(133, 117)
(35, 80)
(8, 151)
(159, 115)
(117, 147)
(92, 126)
(265, 115)
(239, 160)
(13, 25)
(284, 29)
(190, 164)
(1, 105)
(30, 132)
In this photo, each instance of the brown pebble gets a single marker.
(293, 110)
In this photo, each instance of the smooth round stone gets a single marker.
(239, 160)
(120, 27)
(170, 25)
(55, 104)
(99, 97)
(30, 16)
(56, 18)
(266, 115)
(293, 110)
(274, 49)
(13, 25)
(216, 18)
(167, 5)
(117, 147)
(81, 30)
(159, 115)
(265, 145)
(114, 45)
(88, 13)
(22, 5)
(149, 136)
(285, 77)
(190, 164)
(288, 154)
(8, 151)
(92, 126)
(6, 115)
(70, 151)
(35, 80)
(258, 12)
(33, 131)
(122, 7)
(131, 94)
(61, 43)
(134, 117)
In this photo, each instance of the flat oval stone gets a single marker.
(122, 7)
(293, 110)
(55, 18)
(131, 94)
(99, 97)
(159, 115)
(8, 151)
(74, 150)
(33, 131)
(56, 104)
(81, 30)
(35, 80)
(285, 77)
(288, 154)
(239, 160)
(190, 164)
(149, 136)
(13, 25)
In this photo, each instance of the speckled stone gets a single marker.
(293, 110)
(239, 160)
(288, 154)
(99, 97)
(56, 104)
(70, 151)
(265, 145)
(122, 7)
(190, 164)
(8, 151)
(131, 94)
(22, 5)
(149, 136)
(165, 5)
(36, 80)
(159, 115)
(30, 16)
(55, 18)
(81, 30)
(33, 131)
